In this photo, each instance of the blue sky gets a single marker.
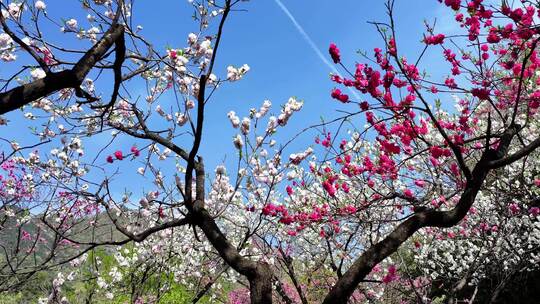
(282, 62)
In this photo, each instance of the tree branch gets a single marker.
(24, 94)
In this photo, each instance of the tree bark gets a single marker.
(260, 286)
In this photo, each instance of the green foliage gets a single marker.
(439, 300)
(178, 294)
(11, 298)
(29, 292)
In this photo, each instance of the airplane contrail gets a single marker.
(312, 44)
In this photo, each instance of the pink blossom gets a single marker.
(420, 183)
(435, 39)
(481, 93)
(336, 94)
(534, 211)
(514, 208)
(26, 236)
(334, 53)
(408, 193)
(289, 190)
(135, 151)
(454, 4)
(118, 154)
(391, 275)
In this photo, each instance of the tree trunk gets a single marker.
(260, 286)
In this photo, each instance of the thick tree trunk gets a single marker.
(260, 285)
